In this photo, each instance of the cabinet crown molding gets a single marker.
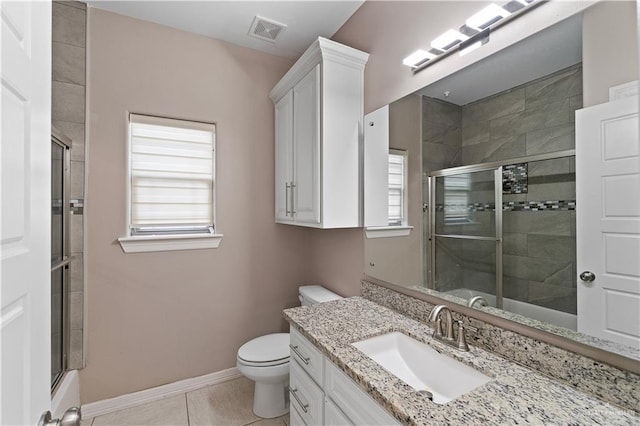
(321, 50)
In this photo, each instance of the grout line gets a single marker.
(71, 44)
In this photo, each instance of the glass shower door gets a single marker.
(59, 257)
(465, 233)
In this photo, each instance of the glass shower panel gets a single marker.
(57, 188)
(466, 267)
(465, 204)
(59, 258)
(57, 323)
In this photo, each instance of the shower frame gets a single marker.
(63, 264)
(496, 166)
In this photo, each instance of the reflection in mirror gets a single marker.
(521, 257)
(495, 215)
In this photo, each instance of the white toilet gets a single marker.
(265, 360)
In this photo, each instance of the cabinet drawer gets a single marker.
(333, 416)
(307, 355)
(359, 407)
(294, 417)
(306, 397)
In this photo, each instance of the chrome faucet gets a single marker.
(479, 300)
(448, 337)
(435, 316)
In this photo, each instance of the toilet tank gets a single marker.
(312, 294)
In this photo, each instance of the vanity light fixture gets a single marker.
(470, 36)
(417, 58)
(487, 16)
(475, 42)
(447, 40)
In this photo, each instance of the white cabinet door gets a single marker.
(333, 416)
(284, 157)
(376, 167)
(306, 153)
(306, 397)
(608, 221)
(25, 164)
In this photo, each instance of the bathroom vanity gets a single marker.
(322, 394)
(333, 382)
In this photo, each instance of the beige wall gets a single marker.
(336, 260)
(609, 48)
(399, 259)
(154, 318)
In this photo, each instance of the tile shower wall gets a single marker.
(68, 116)
(441, 143)
(539, 245)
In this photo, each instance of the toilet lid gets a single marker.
(265, 349)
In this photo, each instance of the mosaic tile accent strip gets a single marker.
(515, 179)
(611, 384)
(515, 395)
(515, 206)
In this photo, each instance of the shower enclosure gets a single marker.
(506, 231)
(60, 260)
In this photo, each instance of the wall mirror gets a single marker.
(491, 187)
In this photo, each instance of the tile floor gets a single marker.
(224, 404)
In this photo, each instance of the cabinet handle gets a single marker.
(294, 348)
(304, 406)
(293, 204)
(286, 198)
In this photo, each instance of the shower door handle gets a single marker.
(587, 276)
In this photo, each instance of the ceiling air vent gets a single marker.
(266, 29)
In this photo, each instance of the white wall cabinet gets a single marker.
(321, 394)
(318, 138)
(376, 167)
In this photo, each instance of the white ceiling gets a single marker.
(557, 47)
(230, 20)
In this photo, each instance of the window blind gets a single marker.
(396, 188)
(172, 175)
(456, 196)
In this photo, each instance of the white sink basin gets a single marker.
(421, 366)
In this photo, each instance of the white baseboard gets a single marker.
(121, 402)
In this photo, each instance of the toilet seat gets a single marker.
(265, 351)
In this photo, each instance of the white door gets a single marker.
(306, 148)
(608, 221)
(25, 158)
(284, 157)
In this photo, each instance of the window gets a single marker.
(396, 193)
(456, 199)
(171, 185)
(397, 187)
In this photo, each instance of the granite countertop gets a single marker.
(515, 395)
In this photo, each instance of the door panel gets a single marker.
(284, 155)
(608, 220)
(25, 234)
(306, 133)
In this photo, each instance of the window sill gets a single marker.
(388, 231)
(169, 243)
